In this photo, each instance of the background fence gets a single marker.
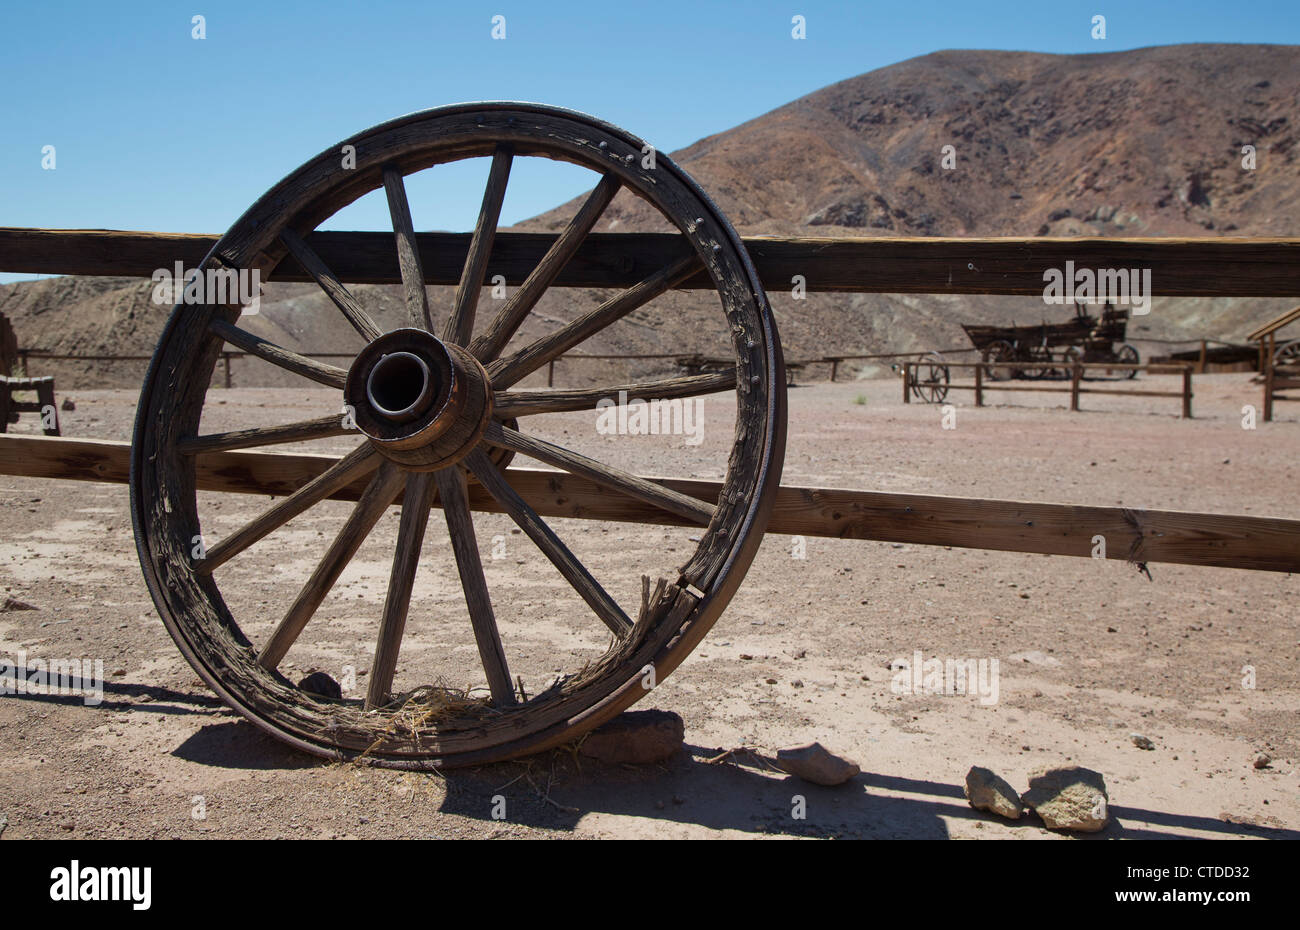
(799, 368)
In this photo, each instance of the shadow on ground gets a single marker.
(557, 791)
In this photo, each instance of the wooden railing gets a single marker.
(1224, 540)
(1074, 388)
(1180, 267)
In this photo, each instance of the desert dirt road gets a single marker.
(1090, 652)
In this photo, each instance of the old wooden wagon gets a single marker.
(438, 416)
(1050, 347)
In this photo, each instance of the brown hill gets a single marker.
(1139, 143)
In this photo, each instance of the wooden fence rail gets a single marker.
(1228, 541)
(1074, 388)
(1210, 267)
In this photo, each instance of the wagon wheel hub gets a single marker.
(423, 403)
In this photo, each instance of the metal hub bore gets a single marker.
(400, 387)
(422, 402)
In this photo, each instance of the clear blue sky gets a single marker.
(156, 130)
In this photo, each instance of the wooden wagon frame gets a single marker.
(440, 415)
(1050, 347)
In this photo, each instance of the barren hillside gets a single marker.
(1140, 143)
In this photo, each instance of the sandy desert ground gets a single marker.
(1090, 651)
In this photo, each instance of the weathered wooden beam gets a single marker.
(1180, 267)
(1225, 540)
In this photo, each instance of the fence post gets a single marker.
(835, 367)
(1200, 365)
(225, 357)
(550, 373)
(1268, 380)
(1187, 393)
(979, 385)
(1074, 386)
(22, 362)
(907, 382)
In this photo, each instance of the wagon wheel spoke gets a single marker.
(460, 325)
(656, 495)
(408, 254)
(278, 355)
(378, 495)
(331, 285)
(320, 428)
(397, 603)
(490, 343)
(507, 371)
(510, 404)
(460, 526)
(361, 461)
(573, 571)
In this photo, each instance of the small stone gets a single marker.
(1141, 742)
(1263, 760)
(1035, 657)
(636, 737)
(987, 792)
(1070, 798)
(117, 673)
(816, 764)
(68, 404)
(322, 684)
(12, 603)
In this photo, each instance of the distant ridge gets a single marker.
(1138, 143)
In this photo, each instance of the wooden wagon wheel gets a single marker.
(1127, 355)
(436, 406)
(1288, 353)
(1043, 355)
(999, 351)
(930, 379)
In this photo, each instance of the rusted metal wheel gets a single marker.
(995, 355)
(930, 379)
(433, 413)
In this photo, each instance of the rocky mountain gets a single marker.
(1139, 143)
